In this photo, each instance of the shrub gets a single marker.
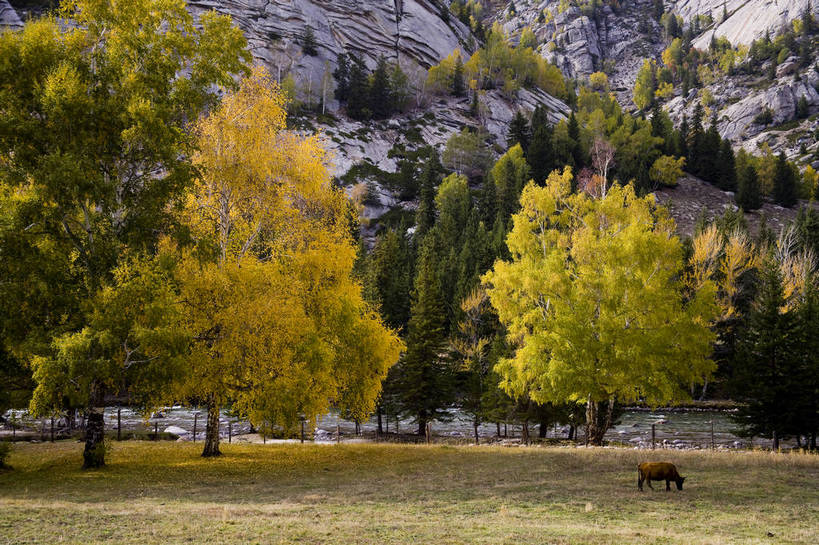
(765, 117)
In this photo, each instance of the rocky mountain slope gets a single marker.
(411, 32)
(747, 19)
(581, 41)
(8, 16)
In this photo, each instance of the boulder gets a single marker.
(790, 66)
(176, 430)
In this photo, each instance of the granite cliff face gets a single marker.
(580, 41)
(409, 31)
(576, 38)
(8, 16)
(747, 19)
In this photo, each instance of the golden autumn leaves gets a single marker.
(252, 304)
(595, 302)
(278, 325)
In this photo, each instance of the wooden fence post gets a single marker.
(338, 434)
(713, 442)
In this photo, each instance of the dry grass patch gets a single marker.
(165, 493)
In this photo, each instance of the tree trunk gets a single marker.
(572, 431)
(94, 453)
(595, 427)
(422, 423)
(525, 432)
(475, 425)
(380, 424)
(497, 424)
(775, 445)
(813, 440)
(544, 427)
(212, 430)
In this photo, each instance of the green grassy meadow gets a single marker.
(157, 493)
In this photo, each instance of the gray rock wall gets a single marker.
(8, 16)
(747, 19)
(410, 31)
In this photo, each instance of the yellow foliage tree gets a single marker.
(594, 304)
(599, 81)
(278, 326)
(667, 170)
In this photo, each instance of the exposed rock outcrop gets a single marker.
(353, 142)
(747, 19)
(739, 100)
(409, 31)
(8, 16)
(580, 42)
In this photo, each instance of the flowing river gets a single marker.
(673, 428)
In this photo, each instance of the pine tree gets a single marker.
(425, 214)
(784, 190)
(519, 132)
(380, 102)
(709, 153)
(541, 154)
(726, 173)
(748, 195)
(767, 359)
(805, 397)
(458, 86)
(308, 42)
(454, 204)
(387, 278)
(802, 108)
(424, 382)
(574, 142)
(342, 76)
(489, 201)
(681, 137)
(358, 94)
(694, 141)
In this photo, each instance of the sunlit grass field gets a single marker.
(157, 493)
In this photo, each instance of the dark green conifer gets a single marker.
(519, 132)
(424, 382)
(748, 195)
(784, 189)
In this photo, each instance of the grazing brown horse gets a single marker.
(658, 471)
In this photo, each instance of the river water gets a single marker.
(673, 428)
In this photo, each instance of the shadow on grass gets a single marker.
(257, 474)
